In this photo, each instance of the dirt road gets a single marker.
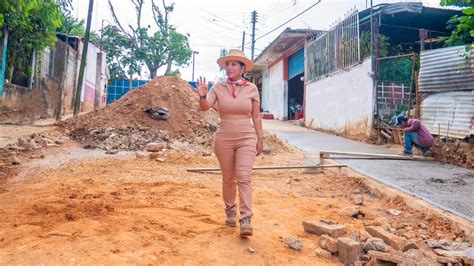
(124, 210)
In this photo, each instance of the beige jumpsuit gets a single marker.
(235, 144)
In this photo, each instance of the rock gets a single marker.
(448, 244)
(160, 159)
(392, 240)
(324, 227)
(352, 212)
(328, 243)
(357, 199)
(141, 154)
(414, 254)
(294, 243)
(206, 154)
(381, 258)
(16, 160)
(448, 260)
(155, 146)
(376, 244)
(410, 245)
(267, 151)
(59, 142)
(323, 253)
(349, 250)
(37, 156)
(112, 151)
(394, 212)
(364, 235)
(155, 155)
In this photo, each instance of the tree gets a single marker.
(31, 26)
(462, 26)
(130, 48)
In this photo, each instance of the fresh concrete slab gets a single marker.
(448, 187)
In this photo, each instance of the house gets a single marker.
(52, 89)
(350, 88)
(279, 73)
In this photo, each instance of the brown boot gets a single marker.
(230, 220)
(246, 227)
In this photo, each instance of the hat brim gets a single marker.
(247, 62)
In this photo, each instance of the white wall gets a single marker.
(277, 99)
(265, 89)
(342, 102)
(88, 84)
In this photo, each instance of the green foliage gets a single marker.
(70, 25)
(462, 26)
(31, 25)
(396, 70)
(131, 48)
(175, 73)
(364, 43)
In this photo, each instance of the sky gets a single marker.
(214, 25)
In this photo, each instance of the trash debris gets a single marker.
(161, 113)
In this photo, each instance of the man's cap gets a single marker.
(400, 118)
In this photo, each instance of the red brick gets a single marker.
(321, 228)
(392, 240)
(328, 243)
(349, 250)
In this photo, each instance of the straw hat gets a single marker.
(236, 55)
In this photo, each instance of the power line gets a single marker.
(286, 22)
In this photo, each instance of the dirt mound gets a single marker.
(454, 151)
(277, 145)
(125, 125)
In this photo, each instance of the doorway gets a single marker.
(295, 97)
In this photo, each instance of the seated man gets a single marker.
(415, 133)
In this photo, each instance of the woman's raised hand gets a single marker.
(202, 87)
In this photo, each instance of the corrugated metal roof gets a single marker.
(413, 7)
(446, 69)
(449, 113)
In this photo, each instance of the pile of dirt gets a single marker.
(125, 125)
(454, 151)
(274, 145)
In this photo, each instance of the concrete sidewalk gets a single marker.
(448, 187)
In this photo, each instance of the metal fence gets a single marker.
(117, 88)
(335, 49)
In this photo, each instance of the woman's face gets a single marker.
(234, 69)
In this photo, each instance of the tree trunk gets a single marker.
(152, 72)
(168, 67)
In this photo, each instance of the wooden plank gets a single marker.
(376, 155)
(272, 167)
(387, 136)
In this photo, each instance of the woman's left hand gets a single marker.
(259, 146)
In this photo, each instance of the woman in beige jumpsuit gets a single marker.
(238, 140)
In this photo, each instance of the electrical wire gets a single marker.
(286, 22)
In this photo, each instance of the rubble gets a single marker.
(357, 199)
(324, 227)
(294, 243)
(376, 244)
(328, 243)
(164, 110)
(323, 253)
(349, 250)
(392, 240)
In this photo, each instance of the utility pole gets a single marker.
(77, 100)
(194, 59)
(254, 21)
(243, 41)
